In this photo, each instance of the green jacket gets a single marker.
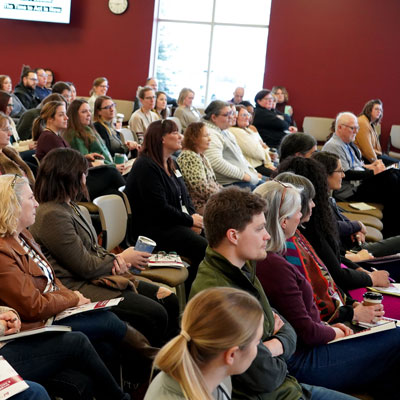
(267, 378)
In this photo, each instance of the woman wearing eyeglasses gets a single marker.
(104, 114)
(6, 85)
(99, 88)
(272, 125)
(251, 144)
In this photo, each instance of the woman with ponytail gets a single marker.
(214, 343)
(48, 127)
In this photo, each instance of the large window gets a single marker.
(210, 46)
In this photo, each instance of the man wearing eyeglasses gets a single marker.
(364, 182)
(41, 90)
(25, 90)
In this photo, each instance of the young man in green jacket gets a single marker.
(235, 229)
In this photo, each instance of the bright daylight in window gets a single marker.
(210, 46)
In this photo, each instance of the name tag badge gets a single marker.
(178, 173)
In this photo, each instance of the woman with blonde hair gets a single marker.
(185, 111)
(99, 88)
(214, 343)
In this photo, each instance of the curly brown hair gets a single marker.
(191, 136)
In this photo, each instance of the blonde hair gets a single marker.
(283, 200)
(211, 324)
(10, 200)
(183, 94)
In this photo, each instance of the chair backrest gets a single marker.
(178, 123)
(113, 219)
(126, 200)
(317, 127)
(395, 136)
(127, 134)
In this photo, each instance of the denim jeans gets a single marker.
(320, 393)
(35, 392)
(369, 362)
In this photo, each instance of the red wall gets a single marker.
(336, 55)
(95, 43)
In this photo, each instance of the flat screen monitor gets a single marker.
(58, 11)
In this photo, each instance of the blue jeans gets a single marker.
(365, 363)
(320, 393)
(35, 392)
(43, 358)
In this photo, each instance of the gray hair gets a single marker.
(341, 116)
(272, 192)
(214, 108)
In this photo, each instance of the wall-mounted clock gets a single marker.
(118, 6)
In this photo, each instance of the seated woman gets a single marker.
(185, 111)
(341, 365)
(367, 138)
(10, 160)
(297, 144)
(44, 358)
(161, 207)
(321, 231)
(161, 106)
(272, 125)
(48, 128)
(104, 114)
(99, 88)
(253, 148)
(29, 285)
(6, 85)
(213, 344)
(351, 233)
(6, 107)
(282, 102)
(195, 167)
(226, 158)
(70, 243)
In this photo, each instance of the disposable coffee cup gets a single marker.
(144, 243)
(119, 158)
(372, 298)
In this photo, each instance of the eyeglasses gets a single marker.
(14, 181)
(7, 129)
(150, 97)
(353, 128)
(32, 79)
(108, 107)
(228, 114)
(10, 105)
(104, 86)
(341, 171)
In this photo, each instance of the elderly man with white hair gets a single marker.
(364, 182)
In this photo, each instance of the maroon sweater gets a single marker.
(292, 295)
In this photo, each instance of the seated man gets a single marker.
(364, 182)
(238, 95)
(41, 90)
(143, 117)
(25, 90)
(235, 229)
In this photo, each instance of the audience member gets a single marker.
(6, 107)
(282, 100)
(186, 112)
(50, 78)
(143, 117)
(213, 344)
(161, 107)
(99, 88)
(364, 182)
(161, 207)
(297, 144)
(226, 158)
(73, 91)
(367, 138)
(41, 90)
(10, 160)
(272, 125)
(235, 229)
(253, 148)
(29, 284)
(104, 115)
(25, 90)
(6, 85)
(339, 366)
(48, 128)
(196, 169)
(238, 95)
(64, 89)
